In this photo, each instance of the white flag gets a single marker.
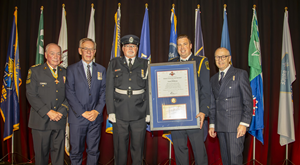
(91, 31)
(63, 39)
(286, 128)
(63, 43)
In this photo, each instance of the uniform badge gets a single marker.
(99, 76)
(28, 77)
(45, 68)
(142, 73)
(207, 65)
(64, 77)
(130, 40)
(116, 70)
(233, 78)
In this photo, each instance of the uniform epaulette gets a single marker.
(200, 56)
(35, 65)
(173, 58)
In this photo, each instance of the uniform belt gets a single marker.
(129, 91)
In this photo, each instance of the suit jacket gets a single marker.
(80, 97)
(231, 103)
(203, 75)
(44, 94)
(119, 76)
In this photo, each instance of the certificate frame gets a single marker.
(173, 96)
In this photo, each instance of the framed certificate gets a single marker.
(173, 96)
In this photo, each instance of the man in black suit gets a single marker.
(179, 137)
(45, 91)
(231, 108)
(127, 101)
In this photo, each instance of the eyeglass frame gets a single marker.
(88, 49)
(221, 57)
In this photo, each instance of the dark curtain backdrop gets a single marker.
(270, 20)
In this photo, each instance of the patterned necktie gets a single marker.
(130, 64)
(222, 75)
(89, 76)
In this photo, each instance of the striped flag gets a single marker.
(225, 41)
(91, 31)
(173, 35)
(9, 105)
(39, 58)
(286, 128)
(256, 82)
(144, 48)
(116, 49)
(115, 52)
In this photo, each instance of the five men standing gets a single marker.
(127, 104)
(85, 92)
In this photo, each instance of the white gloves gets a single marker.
(112, 118)
(147, 119)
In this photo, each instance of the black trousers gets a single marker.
(179, 138)
(121, 131)
(49, 140)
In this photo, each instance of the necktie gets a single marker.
(54, 70)
(130, 64)
(222, 75)
(89, 76)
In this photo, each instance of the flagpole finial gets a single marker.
(146, 5)
(16, 8)
(119, 4)
(63, 5)
(42, 7)
(254, 6)
(285, 8)
(92, 5)
(198, 6)
(225, 6)
(173, 5)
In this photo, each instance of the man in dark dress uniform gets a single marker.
(45, 91)
(179, 137)
(127, 101)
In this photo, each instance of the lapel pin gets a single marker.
(233, 78)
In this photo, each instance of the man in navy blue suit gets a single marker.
(231, 108)
(85, 91)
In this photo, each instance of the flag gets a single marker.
(173, 35)
(63, 39)
(39, 58)
(91, 31)
(168, 136)
(199, 44)
(116, 49)
(115, 52)
(225, 41)
(286, 128)
(9, 105)
(144, 49)
(63, 43)
(256, 81)
(199, 51)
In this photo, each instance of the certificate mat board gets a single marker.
(173, 96)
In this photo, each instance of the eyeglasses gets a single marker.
(130, 46)
(88, 49)
(221, 57)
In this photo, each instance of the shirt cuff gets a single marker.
(244, 124)
(211, 125)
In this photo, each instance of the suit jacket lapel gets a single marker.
(82, 73)
(136, 63)
(48, 71)
(227, 78)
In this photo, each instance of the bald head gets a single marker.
(223, 58)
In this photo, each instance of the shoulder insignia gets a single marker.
(28, 77)
(35, 65)
(207, 65)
